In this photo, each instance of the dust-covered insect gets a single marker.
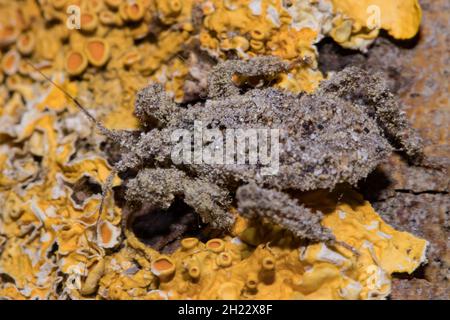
(338, 134)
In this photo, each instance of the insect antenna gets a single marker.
(107, 186)
(106, 132)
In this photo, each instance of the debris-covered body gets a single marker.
(337, 135)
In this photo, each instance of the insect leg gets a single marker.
(370, 91)
(210, 201)
(220, 81)
(106, 188)
(280, 208)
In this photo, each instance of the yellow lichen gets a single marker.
(97, 51)
(401, 18)
(76, 63)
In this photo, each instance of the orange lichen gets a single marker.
(268, 263)
(109, 18)
(10, 62)
(131, 58)
(26, 43)
(215, 245)
(224, 260)
(170, 10)
(135, 11)
(189, 243)
(88, 21)
(399, 17)
(97, 51)
(164, 268)
(76, 63)
(8, 34)
(162, 265)
(108, 234)
(105, 233)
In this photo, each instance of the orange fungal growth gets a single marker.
(175, 6)
(24, 68)
(268, 264)
(123, 14)
(256, 45)
(224, 259)
(135, 11)
(169, 10)
(216, 245)
(139, 32)
(194, 272)
(76, 63)
(89, 21)
(26, 43)
(252, 281)
(108, 234)
(193, 269)
(257, 34)
(97, 51)
(131, 58)
(10, 62)
(8, 34)
(189, 243)
(163, 267)
(109, 18)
